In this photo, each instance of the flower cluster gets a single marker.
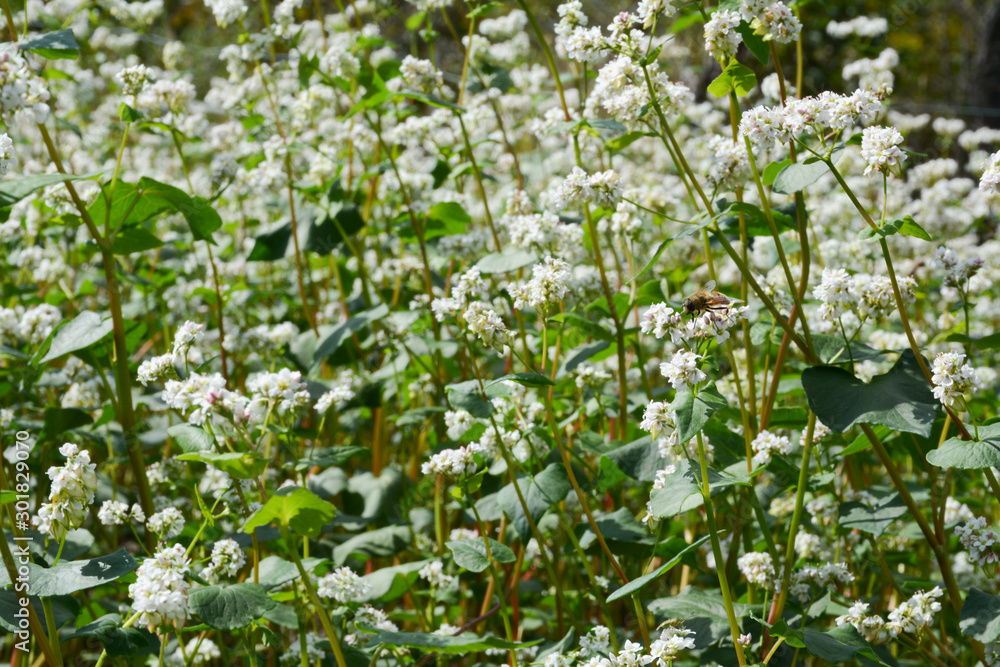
(953, 379)
(72, 492)
(160, 592)
(342, 586)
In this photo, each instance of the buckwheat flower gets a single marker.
(227, 11)
(880, 148)
(828, 576)
(113, 513)
(836, 292)
(668, 647)
(71, 493)
(607, 188)
(38, 322)
(980, 541)
(767, 444)
(629, 656)
(137, 514)
(227, 559)
(745, 640)
(485, 323)
(186, 336)
(7, 157)
(342, 585)
(757, 568)
(871, 626)
(682, 370)
(862, 26)
(663, 476)
(445, 307)
(990, 180)
(585, 45)
(6, 417)
(916, 613)
(435, 576)
(721, 38)
(157, 368)
(596, 641)
(765, 126)
(953, 379)
(284, 389)
(421, 74)
(455, 463)
(955, 511)
(731, 166)
(458, 422)
(166, 523)
(548, 285)
(660, 320)
(648, 10)
(339, 396)
(368, 617)
(197, 652)
(751, 9)
(133, 79)
(557, 659)
(657, 418)
(159, 593)
(777, 23)
(198, 393)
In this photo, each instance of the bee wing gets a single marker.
(708, 287)
(719, 299)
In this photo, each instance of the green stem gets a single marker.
(720, 567)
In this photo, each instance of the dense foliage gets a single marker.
(603, 347)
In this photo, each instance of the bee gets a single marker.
(707, 298)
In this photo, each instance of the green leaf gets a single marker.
(635, 585)
(471, 553)
(293, 507)
(191, 438)
(272, 245)
(905, 225)
(900, 399)
(888, 507)
(71, 576)
(523, 379)
(117, 641)
(609, 475)
(274, 571)
(332, 343)
(60, 420)
(799, 175)
(616, 144)
(693, 411)
(980, 618)
(382, 542)
(230, 607)
(202, 219)
(326, 235)
(784, 216)
(990, 342)
(683, 490)
(773, 169)
(840, 644)
(508, 260)
(831, 349)
(53, 45)
(464, 644)
(546, 489)
(639, 459)
(241, 465)
(861, 443)
(391, 583)
(134, 239)
(969, 455)
(755, 43)
(735, 76)
(466, 395)
(15, 190)
(127, 114)
(332, 456)
(79, 333)
(702, 610)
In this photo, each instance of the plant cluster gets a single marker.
(594, 346)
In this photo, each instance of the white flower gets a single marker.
(682, 370)
(953, 379)
(7, 157)
(227, 11)
(435, 576)
(159, 593)
(342, 585)
(721, 37)
(765, 126)
(455, 463)
(979, 540)
(485, 323)
(596, 641)
(71, 493)
(777, 23)
(757, 568)
(166, 523)
(548, 285)
(157, 368)
(766, 444)
(339, 396)
(227, 559)
(672, 641)
(990, 180)
(880, 148)
(113, 513)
